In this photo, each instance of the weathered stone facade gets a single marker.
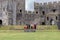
(31, 18)
(48, 12)
(44, 14)
(12, 12)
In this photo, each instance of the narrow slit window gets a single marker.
(20, 10)
(56, 17)
(47, 18)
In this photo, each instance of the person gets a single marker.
(28, 26)
(34, 26)
(25, 27)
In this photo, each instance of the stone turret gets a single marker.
(11, 11)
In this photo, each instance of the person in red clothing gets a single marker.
(25, 27)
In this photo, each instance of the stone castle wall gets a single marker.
(48, 12)
(15, 13)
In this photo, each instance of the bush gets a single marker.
(47, 27)
(11, 27)
(39, 27)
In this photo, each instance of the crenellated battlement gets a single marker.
(47, 3)
(29, 12)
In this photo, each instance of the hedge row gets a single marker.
(39, 27)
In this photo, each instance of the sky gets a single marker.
(30, 3)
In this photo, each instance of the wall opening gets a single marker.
(20, 10)
(43, 23)
(52, 22)
(54, 10)
(0, 22)
(47, 18)
(43, 12)
(36, 12)
(56, 17)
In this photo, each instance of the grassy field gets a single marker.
(46, 32)
(17, 35)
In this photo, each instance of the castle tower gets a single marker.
(12, 12)
(20, 9)
(11, 8)
(3, 12)
(16, 9)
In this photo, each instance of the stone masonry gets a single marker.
(12, 12)
(48, 12)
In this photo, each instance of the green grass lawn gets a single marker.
(30, 35)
